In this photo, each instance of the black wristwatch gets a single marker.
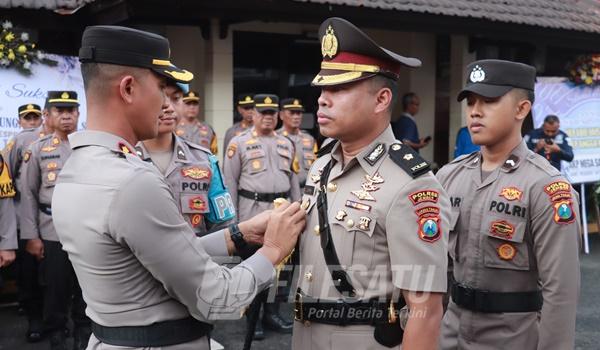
(237, 237)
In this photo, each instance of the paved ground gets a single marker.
(231, 333)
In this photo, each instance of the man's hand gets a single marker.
(286, 223)
(6, 257)
(254, 228)
(425, 317)
(539, 145)
(553, 148)
(35, 247)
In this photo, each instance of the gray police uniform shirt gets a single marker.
(136, 258)
(260, 164)
(306, 149)
(515, 231)
(235, 130)
(380, 219)
(42, 163)
(14, 152)
(188, 175)
(199, 133)
(8, 223)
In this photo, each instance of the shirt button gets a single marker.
(316, 230)
(350, 223)
(308, 276)
(332, 187)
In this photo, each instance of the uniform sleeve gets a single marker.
(566, 151)
(418, 245)
(30, 183)
(232, 168)
(227, 139)
(556, 247)
(145, 218)
(8, 225)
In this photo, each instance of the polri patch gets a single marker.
(424, 196)
(429, 228)
(563, 212)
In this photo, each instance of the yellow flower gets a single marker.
(588, 80)
(11, 55)
(22, 49)
(9, 37)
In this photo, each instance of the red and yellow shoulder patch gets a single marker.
(424, 196)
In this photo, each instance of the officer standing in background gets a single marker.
(550, 142)
(192, 129)
(304, 144)
(258, 169)
(42, 163)
(515, 229)
(245, 108)
(149, 281)
(376, 216)
(29, 290)
(191, 171)
(8, 223)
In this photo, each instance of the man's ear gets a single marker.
(523, 109)
(126, 88)
(383, 100)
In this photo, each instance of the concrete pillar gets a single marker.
(459, 58)
(218, 82)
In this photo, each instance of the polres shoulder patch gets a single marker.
(409, 160)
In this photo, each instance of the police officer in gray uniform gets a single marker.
(8, 234)
(41, 165)
(258, 169)
(148, 280)
(515, 226)
(304, 144)
(245, 108)
(375, 237)
(191, 171)
(30, 293)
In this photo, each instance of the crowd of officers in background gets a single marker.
(31, 161)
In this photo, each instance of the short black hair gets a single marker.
(407, 99)
(551, 119)
(380, 81)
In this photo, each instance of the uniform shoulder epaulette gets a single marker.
(464, 157)
(197, 146)
(409, 160)
(542, 164)
(326, 147)
(44, 138)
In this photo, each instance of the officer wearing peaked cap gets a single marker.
(130, 246)
(245, 108)
(515, 225)
(305, 145)
(192, 129)
(42, 163)
(376, 216)
(30, 294)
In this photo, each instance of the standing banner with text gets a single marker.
(578, 108)
(17, 89)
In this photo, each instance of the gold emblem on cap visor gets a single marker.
(268, 100)
(29, 106)
(64, 95)
(192, 94)
(248, 99)
(329, 44)
(296, 102)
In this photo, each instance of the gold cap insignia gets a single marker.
(268, 100)
(296, 102)
(329, 43)
(192, 94)
(64, 95)
(29, 106)
(248, 98)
